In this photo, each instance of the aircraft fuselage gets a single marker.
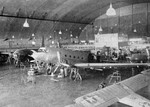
(66, 56)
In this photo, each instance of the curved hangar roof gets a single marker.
(48, 17)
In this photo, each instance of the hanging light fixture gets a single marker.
(33, 35)
(134, 30)
(60, 32)
(100, 29)
(26, 24)
(13, 37)
(111, 11)
(33, 43)
(53, 42)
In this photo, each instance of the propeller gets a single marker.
(59, 63)
(58, 56)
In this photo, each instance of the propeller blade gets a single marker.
(58, 56)
(64, 64)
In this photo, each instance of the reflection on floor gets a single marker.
(47, 92)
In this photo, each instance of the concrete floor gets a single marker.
(46, 92)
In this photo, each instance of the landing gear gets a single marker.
(74, 74)
(111, 79)
(115, 77)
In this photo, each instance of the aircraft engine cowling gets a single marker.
(137, 58)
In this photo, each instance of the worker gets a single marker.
(65, 71)
(49, 68)
(100, 86)
(148, 54)
(98, 57)
(61, 74)
(30, 75)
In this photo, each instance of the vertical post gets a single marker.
(132, 18)
(133, 72)
(43, 44)
(54, 36)
(87, 38)
(107, 25)
(147, 21)
(119, 21)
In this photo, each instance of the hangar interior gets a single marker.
(31, 24)
(63, 20)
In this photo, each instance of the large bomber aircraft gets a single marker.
(76, 58)
(123, 92)
(70, 58)
(53, 55)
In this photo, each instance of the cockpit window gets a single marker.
(42, 50)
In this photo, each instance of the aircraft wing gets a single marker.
(101, 65)
(122, 92)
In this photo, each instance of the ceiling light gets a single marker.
(100, 29)
(53, 42)
(25, 23)
(111, 11)
(60, 32)
(33, 43)
(134, 30)
(13, 36)
(71, 35)
(33, 35)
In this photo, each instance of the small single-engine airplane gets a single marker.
(123, 92)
